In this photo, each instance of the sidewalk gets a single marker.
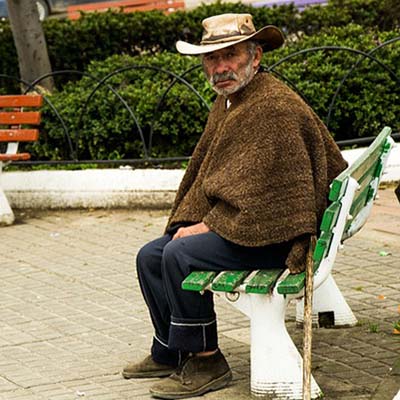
(72, 314)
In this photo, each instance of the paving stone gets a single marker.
(72, 312)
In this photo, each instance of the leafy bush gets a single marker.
(106, 130)
(101, 43)
(367, 101)
(369, 97)
(74, 44)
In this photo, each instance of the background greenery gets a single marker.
(100, 44)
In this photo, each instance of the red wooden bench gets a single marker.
(126, 6)
(15, 127)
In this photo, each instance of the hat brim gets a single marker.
(270, 38)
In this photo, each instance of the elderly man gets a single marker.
(253, 194)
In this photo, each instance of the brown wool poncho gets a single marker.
(261, 171)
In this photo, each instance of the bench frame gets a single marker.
(14, 117)
(263, 296)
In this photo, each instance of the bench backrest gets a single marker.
(126, 6)
(15, 122)
(352, 194)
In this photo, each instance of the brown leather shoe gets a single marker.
(147, 368)
(197, 376)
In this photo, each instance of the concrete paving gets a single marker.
(72, 314)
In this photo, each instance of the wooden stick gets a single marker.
(307, 325)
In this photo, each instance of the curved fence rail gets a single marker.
(72, 137)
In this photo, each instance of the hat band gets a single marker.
(225, 38)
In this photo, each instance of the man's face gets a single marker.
(229, 70)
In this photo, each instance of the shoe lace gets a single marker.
(181, 374)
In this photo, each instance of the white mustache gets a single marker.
(224, 76)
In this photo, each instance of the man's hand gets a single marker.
(191, 230)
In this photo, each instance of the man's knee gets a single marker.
(173, 250)
(147, 260)
(176, 256)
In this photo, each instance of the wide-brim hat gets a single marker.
(226, 30)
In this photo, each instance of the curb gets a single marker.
(117, 188)
(95, 188)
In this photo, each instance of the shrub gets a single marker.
(106, 130)
(368, 99)
(74, 44)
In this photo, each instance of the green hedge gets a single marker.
(368, 100)
(74, 44)
(106, 129)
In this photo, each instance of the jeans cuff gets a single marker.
(163, 355)
(193, 336)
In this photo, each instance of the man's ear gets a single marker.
(257, 57)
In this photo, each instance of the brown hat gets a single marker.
(227, 30)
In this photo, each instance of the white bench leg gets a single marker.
(6, 214)
(276, 364)
(328, 300)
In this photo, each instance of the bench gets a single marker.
(74, 12)
(263, 295)
(14, 128)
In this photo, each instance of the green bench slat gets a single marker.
(330, 217)
(228, 281)
(322, 246)
(198, 280)
(379, 169)
(363, 197)
(361, 165)
(292, 284)
(263, 281)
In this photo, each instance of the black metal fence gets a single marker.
(71, 138)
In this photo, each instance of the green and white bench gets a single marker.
(263, 295)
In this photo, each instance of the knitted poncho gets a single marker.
(261, 171)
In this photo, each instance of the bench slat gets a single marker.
(16, 118)
(361, 165)
(19, 135)
(322, 247)
(330, 217)
(198, 280)
(20, 101)
(263, 281)
(228, 281)
(358, 205)
(292, 284)
(15, 157)
(361, 175)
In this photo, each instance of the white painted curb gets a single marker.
(94, 188)
(109, 188)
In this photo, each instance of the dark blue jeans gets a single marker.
(185, 321)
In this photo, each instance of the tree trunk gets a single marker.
(29, 41)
